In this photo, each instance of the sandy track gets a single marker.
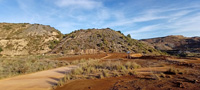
(42, 80)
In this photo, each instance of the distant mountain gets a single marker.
(175, 43)
(100, 41)
(25, 39)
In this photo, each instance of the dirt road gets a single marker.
(42, 80)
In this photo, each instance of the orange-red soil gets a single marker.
(144, 80)
(78, 57)
(175, 82)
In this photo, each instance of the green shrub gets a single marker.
(1, 49)
(119, 32)
(176, 71)
(53, 43)
(7, 27)
(129, 36)
(23, 25)
(100, 45)
(132, 72)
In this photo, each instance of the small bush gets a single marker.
(124, 72)
(155, 77)
(185, 71)
(129, 36)
(7, 27)
(128, 65)
(60, 83)
(53, 44)
(116, 74)
(173, 70)
(105, 73)
(163, 75)
(101, 76)
(68, 77)
(77, 71)
(132, 72)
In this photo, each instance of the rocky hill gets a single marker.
(176, 44)
(25, 39)
(99, 41)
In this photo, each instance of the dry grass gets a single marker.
(176, 71)
(156, 77)
(18, 66)
(97, 69)
(162, 75)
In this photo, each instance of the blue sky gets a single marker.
(140, 18)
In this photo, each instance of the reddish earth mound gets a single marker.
(93, 84)
(117, 56)
(175, 82)
(78, 57)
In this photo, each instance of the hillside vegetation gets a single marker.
(26, 39)
(100, 40)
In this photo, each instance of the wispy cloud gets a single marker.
(174, 21)
(80, 4)
(143, 18)
(186, 25)
(144, 29)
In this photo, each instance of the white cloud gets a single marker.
(150, 15)
(80, 4)
(142, 18)
(143, 29)
(175, 21)
(186, 25)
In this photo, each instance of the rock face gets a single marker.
(175, 43)
(25, 39)
(100, 40)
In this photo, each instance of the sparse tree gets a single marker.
(129, 35)
(119, 31)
